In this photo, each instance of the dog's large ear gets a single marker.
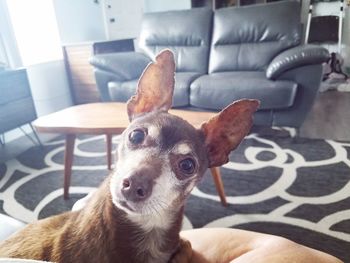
(226, 130)
(155, 88)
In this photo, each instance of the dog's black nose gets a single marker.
(137, 187)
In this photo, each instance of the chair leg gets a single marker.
(215, 172)
(36, 135)
(29, 137)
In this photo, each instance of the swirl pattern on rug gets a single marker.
(297, 188)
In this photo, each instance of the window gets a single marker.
(35, 28)
(3, 54)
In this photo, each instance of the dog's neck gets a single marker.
(140, 238)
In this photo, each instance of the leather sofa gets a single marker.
(221, 56)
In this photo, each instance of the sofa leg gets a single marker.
(296, 136)
(288, 132)
(295, 133)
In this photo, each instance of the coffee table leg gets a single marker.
(109, 150)
(215, 172)
(68, 161)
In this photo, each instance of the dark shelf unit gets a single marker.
(215, 4)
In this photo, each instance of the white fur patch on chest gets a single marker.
(160, 219)
(151, 241)
(152, 245)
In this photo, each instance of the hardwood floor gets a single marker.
(329, 117)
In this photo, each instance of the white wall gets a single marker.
(164, 5)
(122, 18)
(83, 20)
(7, 37)
(49, 86)
(79, 20)
(47, 75)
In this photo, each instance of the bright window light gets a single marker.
(35, 28)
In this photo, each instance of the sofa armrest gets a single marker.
(296, 57)
(125, 65)
(112, 46)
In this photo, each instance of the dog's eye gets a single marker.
(187, 166)
(137, 136)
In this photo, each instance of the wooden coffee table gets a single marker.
(109, 119)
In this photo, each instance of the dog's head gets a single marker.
(161, 157)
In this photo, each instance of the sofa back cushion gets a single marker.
(186, 32)
(248, 38)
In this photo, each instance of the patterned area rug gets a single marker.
(299, 189)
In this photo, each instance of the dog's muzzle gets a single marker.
(137, 187)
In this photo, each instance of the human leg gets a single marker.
(240, 246)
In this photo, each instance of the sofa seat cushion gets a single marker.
(217, 90)
(122, 91)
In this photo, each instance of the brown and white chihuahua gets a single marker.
(136, 214)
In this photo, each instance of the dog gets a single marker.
(136, 214)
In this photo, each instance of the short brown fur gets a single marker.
(92, 234)
(102, 231)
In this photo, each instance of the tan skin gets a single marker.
(224, 245)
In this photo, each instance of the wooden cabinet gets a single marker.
(80, 73)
